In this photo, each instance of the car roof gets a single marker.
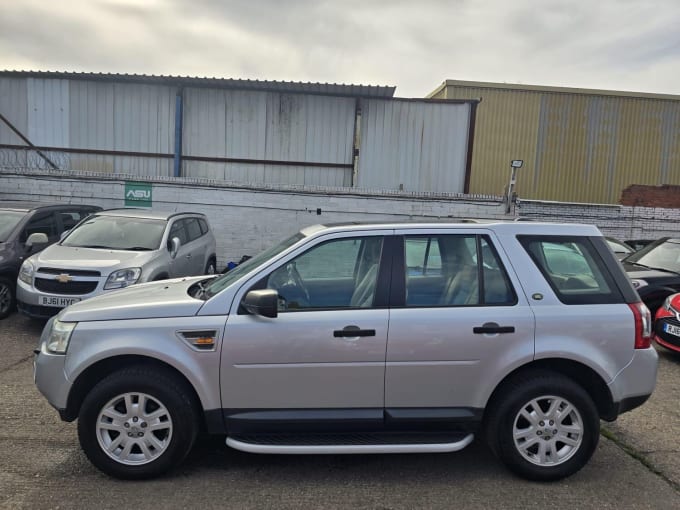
(26, 206)
(499, 226)
(145, 213)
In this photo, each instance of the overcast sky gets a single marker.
(412, 44)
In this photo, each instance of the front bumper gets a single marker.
(43, 305)
(663, 338)
(49, 374)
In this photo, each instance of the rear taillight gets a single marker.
(643, 325)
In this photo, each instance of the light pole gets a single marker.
(514, 164)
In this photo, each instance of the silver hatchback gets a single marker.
(112, 250)
(388, 338)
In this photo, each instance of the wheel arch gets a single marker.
(105, 367)
(581, 374)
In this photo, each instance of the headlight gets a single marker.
(638, 283)
(26, 272)
(60, 336)
(123, 278)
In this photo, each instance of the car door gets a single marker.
(181, 264)
(44, 222)
(196, 246)
(457, 324)
(326, 348)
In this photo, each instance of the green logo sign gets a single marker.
(137, 194)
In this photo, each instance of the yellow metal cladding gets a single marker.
(577, 145)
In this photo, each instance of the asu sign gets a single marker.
(138, 194)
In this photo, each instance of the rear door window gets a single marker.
(573, 268)
(454, 270)
(193, 229)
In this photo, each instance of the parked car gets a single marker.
(620, 249)
(329, 343)
(25, 229)
(655, 271)
(112, 250)
(667, 323)
(638, 244)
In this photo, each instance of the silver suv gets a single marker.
(112, 250)
(363, 339)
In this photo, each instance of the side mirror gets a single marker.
(262, 302)
(173, 246)
(36, 238)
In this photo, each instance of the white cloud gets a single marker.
(614, 44)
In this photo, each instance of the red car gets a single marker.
(667, 323)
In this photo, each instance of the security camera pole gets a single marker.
(514, 164)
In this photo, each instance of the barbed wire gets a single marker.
(33, 158)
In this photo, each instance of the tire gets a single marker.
(543, 426)
(7, 297)
(211, 266)
(166, 426)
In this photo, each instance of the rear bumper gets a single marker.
(635, 383)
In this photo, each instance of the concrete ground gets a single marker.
(41, 466)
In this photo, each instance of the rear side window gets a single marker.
(573, 268)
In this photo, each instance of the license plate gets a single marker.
(58, 301)
(673, 330)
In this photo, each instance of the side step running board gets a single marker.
(317, 449)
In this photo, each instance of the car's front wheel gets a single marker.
(543, 426)
(137, 423)
(7, 297)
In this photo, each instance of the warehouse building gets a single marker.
(577, 145)
(241, 131)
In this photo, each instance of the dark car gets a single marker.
(667, 323)
(25, 229)
(655, 271)
(638, 244)
(620, 249)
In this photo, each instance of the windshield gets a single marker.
(664, 255)
(226, 279)
(117, 233)
(8, 220)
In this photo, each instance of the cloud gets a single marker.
(615, 44)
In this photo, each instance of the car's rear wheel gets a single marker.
(211, 267)
(7, 297)
(137, 423)
(543, 426)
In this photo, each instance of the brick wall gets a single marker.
(249, 219)
(666, 196)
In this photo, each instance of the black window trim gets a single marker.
(616, 294)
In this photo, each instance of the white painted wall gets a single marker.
(247, 219)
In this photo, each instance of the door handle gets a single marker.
(352, 331)
(189, 256)
(491, 328)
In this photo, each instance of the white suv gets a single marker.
(363, 339)
(111, 250)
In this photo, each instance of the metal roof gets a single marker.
(548, 89)
(328, 89)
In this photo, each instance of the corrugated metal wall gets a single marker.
(413, 146)
(243, 136)
(575, 146)
(269, 126)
